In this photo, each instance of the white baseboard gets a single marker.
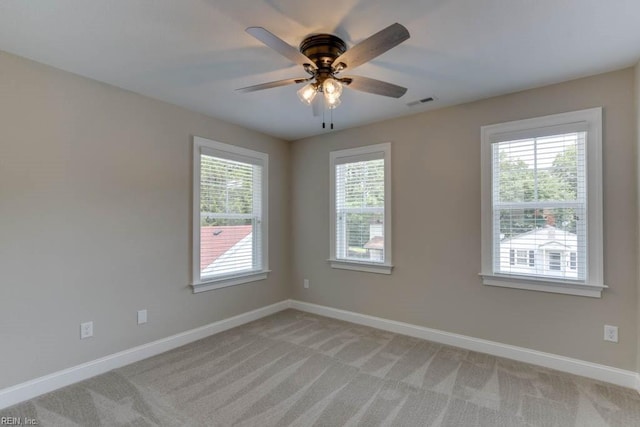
(583, 368)
(33, 388)
(36, 387)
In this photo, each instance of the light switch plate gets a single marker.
(142, 316)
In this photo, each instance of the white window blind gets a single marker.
(542, 203)
(360, 210)
(230, 211)
(360, 205)
(230, 229)
(540, 206)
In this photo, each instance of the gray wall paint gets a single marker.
(436, 227)
(95, 209)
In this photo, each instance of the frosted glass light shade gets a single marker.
(332, 87)
(307, 93)
(332, 101)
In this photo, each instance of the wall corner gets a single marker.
(637, 146)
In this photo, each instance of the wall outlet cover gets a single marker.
(610, 333)
(86, 330)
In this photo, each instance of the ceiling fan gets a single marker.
(324, 56)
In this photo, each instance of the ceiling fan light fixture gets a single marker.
(307, 93)
(332, 87)
(332, 101)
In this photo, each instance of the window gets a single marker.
(573, 262)
(542, 203)
(360, 209)
(555, 260)
(522, 257)
(229, 215)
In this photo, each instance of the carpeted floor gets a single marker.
(297, 369)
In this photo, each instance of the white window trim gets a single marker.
(232, 152)
(594, 283)
(369, 267)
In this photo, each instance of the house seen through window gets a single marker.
(539, 205)
(542, 198)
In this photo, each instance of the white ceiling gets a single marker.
(194, 53)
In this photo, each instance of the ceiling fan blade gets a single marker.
(378, 87)
(374, 46)
(269, 85)
(280, 46)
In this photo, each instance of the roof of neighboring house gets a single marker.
(376, 242)
(216, 240)
(545, 236)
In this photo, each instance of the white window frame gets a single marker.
(370, 152)
(230, 152)
(589, 119)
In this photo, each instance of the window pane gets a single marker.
(539, 204)
(362, 183)
(516, 181)
(540, 169)
(541, 242)
(361, 235)
(226, 186)
(554, 260)
(557, 166)
(514, 222)
(360, 210)
(522, 257)
(227, 248)
(229, 216)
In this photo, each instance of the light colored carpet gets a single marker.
(297, 369)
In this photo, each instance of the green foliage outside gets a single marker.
(520, 183)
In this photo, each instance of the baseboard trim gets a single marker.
(36, 387)
(583, 368)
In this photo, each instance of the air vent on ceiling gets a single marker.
(421, 101)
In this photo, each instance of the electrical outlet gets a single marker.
(306, 283)
(610, 333)
(86, 330)
(142, 316)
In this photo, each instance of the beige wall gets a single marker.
(436, 227)
(95, 202)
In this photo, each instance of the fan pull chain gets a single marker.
(324, 107)
(331, 112)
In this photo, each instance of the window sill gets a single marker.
(368, 267)
(543, 285)
(223, 282)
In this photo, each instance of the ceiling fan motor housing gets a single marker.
(323, 49)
